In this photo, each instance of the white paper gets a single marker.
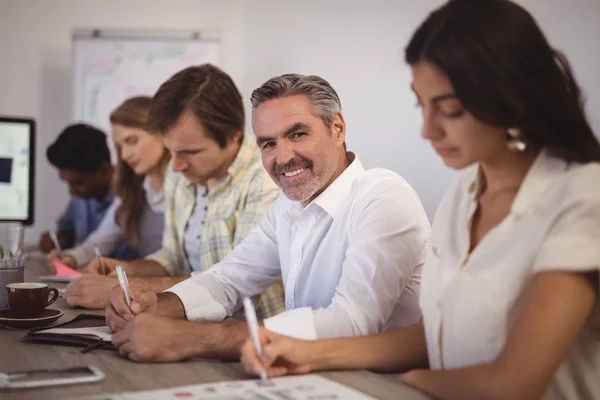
(102, 332)
(307, 387)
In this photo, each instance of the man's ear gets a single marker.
(338, 128)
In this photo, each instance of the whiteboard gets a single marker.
(108, 71)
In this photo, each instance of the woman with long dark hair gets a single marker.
(509, 291)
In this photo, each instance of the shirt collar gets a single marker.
(154, 199)
(333, 196)
(244, 156)
(539, 177)
(339, 190)
(476, 184)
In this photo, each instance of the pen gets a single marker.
(99, 257)
(55, 241)
(124, 283)
(253, 328)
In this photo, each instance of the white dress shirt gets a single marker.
(350, 261)
(109, 235)
(471, 301)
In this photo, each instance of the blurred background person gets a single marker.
(137, 214)
(81, 155)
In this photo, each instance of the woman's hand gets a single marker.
(282, 355)
(67, 260)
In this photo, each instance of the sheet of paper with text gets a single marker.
(306, 387)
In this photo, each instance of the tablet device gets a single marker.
(54, 278)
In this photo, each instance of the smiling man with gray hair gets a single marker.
(347, 242)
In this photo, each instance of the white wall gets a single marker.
(357, 45)
(359, 48)
(35, 64)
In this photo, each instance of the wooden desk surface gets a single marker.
(125, 376)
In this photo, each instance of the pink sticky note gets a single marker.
(63, 270)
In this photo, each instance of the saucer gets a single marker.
(48, 316)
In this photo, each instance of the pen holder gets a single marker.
(11, 238)
(12, 261)
(8, 276)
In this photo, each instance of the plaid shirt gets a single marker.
(234, 207)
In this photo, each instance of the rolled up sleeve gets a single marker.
(571, 244)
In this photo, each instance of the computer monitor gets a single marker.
(17, 168)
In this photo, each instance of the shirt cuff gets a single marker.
(198, 303)
(298, 323)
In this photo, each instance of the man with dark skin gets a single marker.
(81, 155)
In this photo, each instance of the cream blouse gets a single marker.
(470, 301)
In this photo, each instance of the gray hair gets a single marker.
(325, 101)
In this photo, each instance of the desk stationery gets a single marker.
(126, 376)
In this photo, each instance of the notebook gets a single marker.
(85, 330)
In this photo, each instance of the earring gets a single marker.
(515, 140)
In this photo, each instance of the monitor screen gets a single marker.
(17, 166)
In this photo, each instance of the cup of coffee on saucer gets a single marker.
(28, 302)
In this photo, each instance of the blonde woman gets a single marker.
(137, 215)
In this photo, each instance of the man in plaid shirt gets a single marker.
(216, 189)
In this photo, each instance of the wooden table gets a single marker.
(125, 376)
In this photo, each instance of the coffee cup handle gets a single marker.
(54, 292)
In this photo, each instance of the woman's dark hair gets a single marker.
(132, 113)
(506, 74)
(79, 147)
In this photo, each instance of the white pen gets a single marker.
(55, 241)
(253, 328)
(124, 283)
(99, 257)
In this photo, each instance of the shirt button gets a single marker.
(289, 304)
(294, 265)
